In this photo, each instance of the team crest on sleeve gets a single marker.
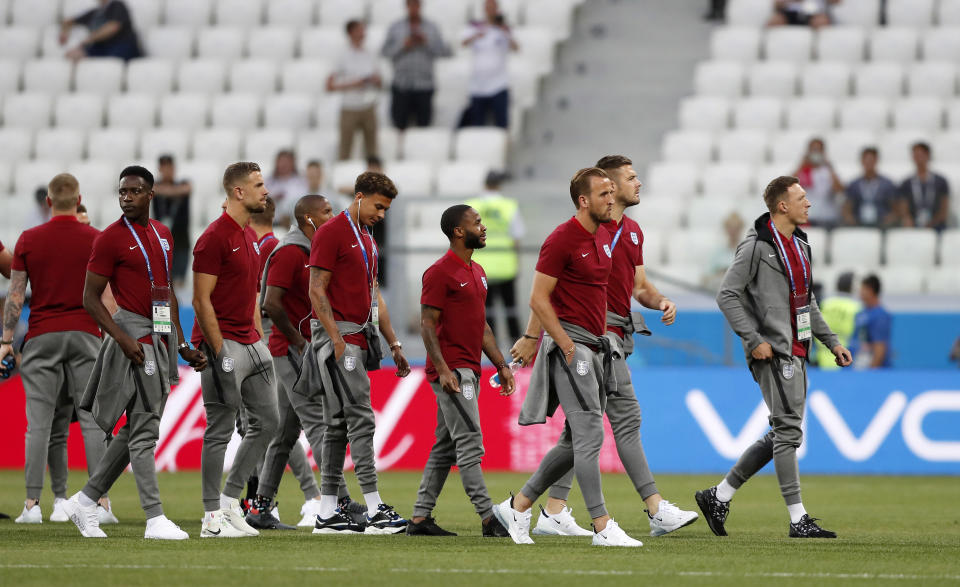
(606, 249)
(256, 247)
(165, 244)
(484, 280)
(468, 391)
(788, 370)
(349, 363)
(227, 364)
(582, 368)
(149, 367)
(633, 237)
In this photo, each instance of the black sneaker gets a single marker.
(428, 527)
(357, 511)
(338, 523)
(807, 528)
(714, 511)
(387, 521)
(259, 516)
(494, 529)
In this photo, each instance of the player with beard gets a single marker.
(575, 369)
(226, 269)
(454, 329)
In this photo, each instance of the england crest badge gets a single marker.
(165, 244)
(149, 367)
(227, 364)
(467, 391)
(787, 370)
(349, 363)
(582, 368)
(606, 249)
(633, 237)
(256, 247)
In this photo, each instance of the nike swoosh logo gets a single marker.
(772, 255)
(133, 247)
(464, 283)
(353, 246)
(217, 533)
(306, 266)
(236, 249)
(558, 522)
(584, 255)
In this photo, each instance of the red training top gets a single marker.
(459, 291)
(335, 248)
(54, 256)
(581, 263)
(799, 348)
(627, 256)
(289, 270)
(266, 244)
(230, 252)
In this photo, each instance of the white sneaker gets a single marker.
(309, 512)
(613, 535)
(214, 526)
(233, 516)
(84, 517)
(516, 523)
(58, 514)
(669, 518)
(106, 514)
(30, 515)
(161, 528)
(561, 524)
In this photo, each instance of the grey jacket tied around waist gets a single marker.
(316, 376)
(541, 400)
(755, 295)
(294, 237)
(630, 324)
(114, 379)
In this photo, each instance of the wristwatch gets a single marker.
(396, 345)
(183, 346)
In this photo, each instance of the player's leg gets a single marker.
(57, 455)
(442, 457)
(556, 519)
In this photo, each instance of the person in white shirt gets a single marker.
(357, 77)
(285, 186)
(491, 42)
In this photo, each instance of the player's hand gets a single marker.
(669, 310)
(843, 356)
(403, 367)
(763, 352)
(448, 382)
(132, 349)
(524, 350)
(75, 54)
(569, 352)
(339, 347)
(195, 358)
(5, 350)
(508, 384)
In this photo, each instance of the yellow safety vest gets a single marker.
(840, 314)
(499, 258)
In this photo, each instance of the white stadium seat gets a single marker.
(98, 188)
(826, 78)
(690, 146)
(33, 13)
(154, 75)
(51, 76)
(555, 15)
(78, 110)
(292, 13)
(950, 249)
(899, 280)
(692, 246)
(429, 144)
(896, 146)
(238, 109)
(344, 173)
(201, 75)
(735, 43)
(752, 13)
(762, 113)
(386, 12)
(64, 144)
(288, 110)
(6, 177)
(15, 143)
(704, 113)
(305, 75)
(103, 75)
(105, 143)
(943, 281)
(19, 42)
(719, 78)
(52, 48)
(451, 16)
(460, 178)
(815, 113)
(263, 145)
(856, 246)
(37, 173)
(190, 13)
(910, 13)
(206, 179)
(862, 13)
(412, 178)
(932, 78)
(325, 43)
(535, 44)
(772, 78)
(326, 112)
(132, 110)
(707, 214)
(742, 146)
(840, 43)
(677, 180)
(790, 145)
(216, 144)
(865, 113)
(274, 42)
(924, 114)
(184, 110)
(845, 145)
(656, 213)
(953, 115)
(336, 13)
(319, 144)
(946, 145)
(421, 227)
(817, 239)
(169, 42)
(878, 79)
(948, 13)
(941, 44)
(220, 42)
(239, 13)
(911, 246)
(144, 13)
(788, 44)
(486, 144)
(28, 110)
(726, 181)
(893, 44)
(164, 141)
(258, 76)
(9, 75)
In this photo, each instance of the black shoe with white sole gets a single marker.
(387, 521)
(354, 509)
(807, 527)
(714, 511)
(428, 527)
(338, 523)
(494, 529)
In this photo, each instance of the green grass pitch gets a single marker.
(893, 531)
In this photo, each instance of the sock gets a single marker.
(725, 491)
(209, 514)
(328, 505)
(373, 501)
(84, 500)
(226, 502)
(796, 512)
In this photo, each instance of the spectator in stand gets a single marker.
(812, 13)
(872, 329)
(111, 32)
(491, 41)
(314, 175)
(171, 207)
(82, 216)
(286, 185)
(357, 77)
(722, 257)
(716, 10)
(375, 165)
(840, 312)
(413, 43)
(817, 176)
(871, 197)
(924, 200)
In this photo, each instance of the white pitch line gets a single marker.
(587, 572)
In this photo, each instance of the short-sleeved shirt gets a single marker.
(459, 291)
(924, 197)
(230, 252)
(793, 256)
(117, 256)
(873, 325)
(266, 244)
(335, 248)
(54, 255)
(627, 256)
(288, 269)
(126, 38)
(871, 199)
(581, 263)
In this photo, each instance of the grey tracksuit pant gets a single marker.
(459, 442)
(354, 426)
(783, 382)
(242, 374)
(623, 411)
(135, 444)
(56, 367)
(578, 387)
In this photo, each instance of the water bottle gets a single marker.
(6, 366)
(495, 379)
